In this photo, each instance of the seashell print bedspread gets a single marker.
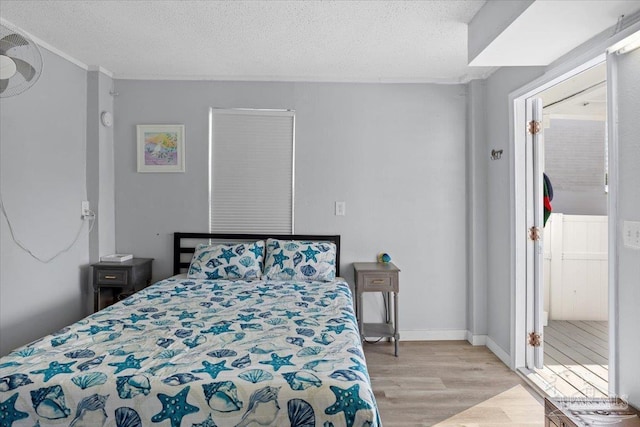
(199, 353)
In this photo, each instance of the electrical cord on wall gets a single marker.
(387, 318)
(91, 217)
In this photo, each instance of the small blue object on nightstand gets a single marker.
(384, 257)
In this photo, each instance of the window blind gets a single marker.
(251, 171)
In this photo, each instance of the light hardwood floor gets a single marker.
(448, 383)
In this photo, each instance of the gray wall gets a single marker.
(100, 166)
(629, 210)
(43, 181)
(477, 210)
(575, 163)
(394, 153)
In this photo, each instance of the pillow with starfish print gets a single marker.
(300, 260)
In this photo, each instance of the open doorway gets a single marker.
(575, 260)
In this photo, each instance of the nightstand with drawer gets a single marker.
(378, 277)
(113, 281)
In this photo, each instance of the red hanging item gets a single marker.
(547, 197)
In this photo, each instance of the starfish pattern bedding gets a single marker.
(200, 353)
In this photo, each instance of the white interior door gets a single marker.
(534, 220)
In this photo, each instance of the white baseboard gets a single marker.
(426, 335)
(476, 339)
(498, 351)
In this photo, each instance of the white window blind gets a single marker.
(251, 171)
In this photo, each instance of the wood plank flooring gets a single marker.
(575, 359)
(448, 383)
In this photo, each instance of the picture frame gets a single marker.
(160, 148)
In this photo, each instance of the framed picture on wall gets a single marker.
(160, 148)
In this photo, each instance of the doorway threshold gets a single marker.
(574, 361)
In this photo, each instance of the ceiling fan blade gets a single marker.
(11, 41)
(24, 68)
(3, 84)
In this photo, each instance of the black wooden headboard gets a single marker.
(183, 244)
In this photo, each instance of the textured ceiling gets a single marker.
(368, 41)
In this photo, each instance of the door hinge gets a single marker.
(534, 127)
(535, 339)
(534, 233)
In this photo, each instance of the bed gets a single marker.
(265, 344)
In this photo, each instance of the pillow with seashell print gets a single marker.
(300, 260)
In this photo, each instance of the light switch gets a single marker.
(341, 208)
(631, 234)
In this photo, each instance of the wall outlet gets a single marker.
(86, 211)
(631, 234)
(341, 208)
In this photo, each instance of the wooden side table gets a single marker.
(378, 277)
(577, 412)
(114, 280)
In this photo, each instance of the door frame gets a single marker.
(518, 226)
(579, 59)
(534, 158)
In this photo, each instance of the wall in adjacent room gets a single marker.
(43, 181)
(395, 153)
(574, 152)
